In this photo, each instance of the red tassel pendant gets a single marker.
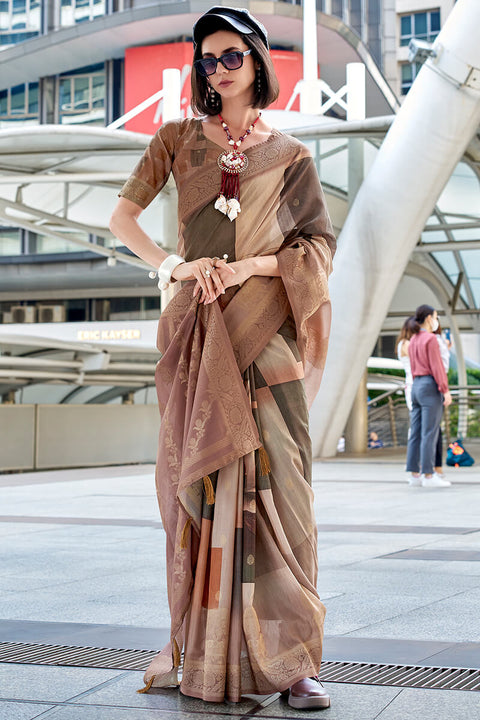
(231, 163)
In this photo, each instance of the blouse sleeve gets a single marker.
(152, 171)
(436, 364)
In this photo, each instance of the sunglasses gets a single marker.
(230, 61)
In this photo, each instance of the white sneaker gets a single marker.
(435, 481)
(415, 481)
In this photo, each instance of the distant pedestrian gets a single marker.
(430, 394)
(403, 341)
(374, 441)
(444, 344)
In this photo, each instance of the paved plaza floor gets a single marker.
(82, 564)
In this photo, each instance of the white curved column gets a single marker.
(417, 157)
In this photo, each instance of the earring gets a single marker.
(212, 98)
(258, 80)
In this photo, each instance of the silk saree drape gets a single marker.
(233, 469)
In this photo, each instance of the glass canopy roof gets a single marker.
(451, 235)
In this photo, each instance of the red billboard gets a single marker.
(143, 78)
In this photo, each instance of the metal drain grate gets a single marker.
(414, 676)
(35, 654)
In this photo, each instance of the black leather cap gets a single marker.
(237, 19)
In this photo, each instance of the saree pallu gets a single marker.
(239, 518)
(233, 471)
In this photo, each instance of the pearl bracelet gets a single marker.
(166, 269)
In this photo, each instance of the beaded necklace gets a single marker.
(232, 163)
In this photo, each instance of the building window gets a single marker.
(19, 103)
(77, 310)
(77, 11)
(134, 308)
(10, 241)
(422, 25)
(43, 244)
(409, 73)
(19, 20)
(385, 347)
(337, 8)
(374, 22)
(355, 7)
(82, 96)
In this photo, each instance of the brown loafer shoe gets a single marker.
(308, 693)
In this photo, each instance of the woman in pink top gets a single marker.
(429, 394)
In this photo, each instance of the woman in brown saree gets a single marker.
(243, 344)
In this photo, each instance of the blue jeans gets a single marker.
(425, 418)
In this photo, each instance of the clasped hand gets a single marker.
(213, 276)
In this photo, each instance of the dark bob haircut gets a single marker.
(203, 104)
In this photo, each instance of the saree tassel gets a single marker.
(176, 654)
(183, 538)
(147, 686)
(209, 491)
(265, 466)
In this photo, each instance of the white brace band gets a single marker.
(166, 269)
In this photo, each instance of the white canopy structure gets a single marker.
(62, 181)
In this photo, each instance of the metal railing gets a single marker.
(388, 416)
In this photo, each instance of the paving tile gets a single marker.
(89, 521)
(348, 550)
(383, 650)
(402, 529)
(413, 704)
(437, 554)
(47, 476)
(351, 612)
(102, 713)
(348, 702)
(465, 655)
(104, 497)
(381, 577)
(47, 606)
(84, 634)
(13, 531)
(102, 583)
(123, 693)
(42, 682)
(469, 541)
(21, 710)
(452, 619)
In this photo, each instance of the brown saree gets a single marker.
(233, 470)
